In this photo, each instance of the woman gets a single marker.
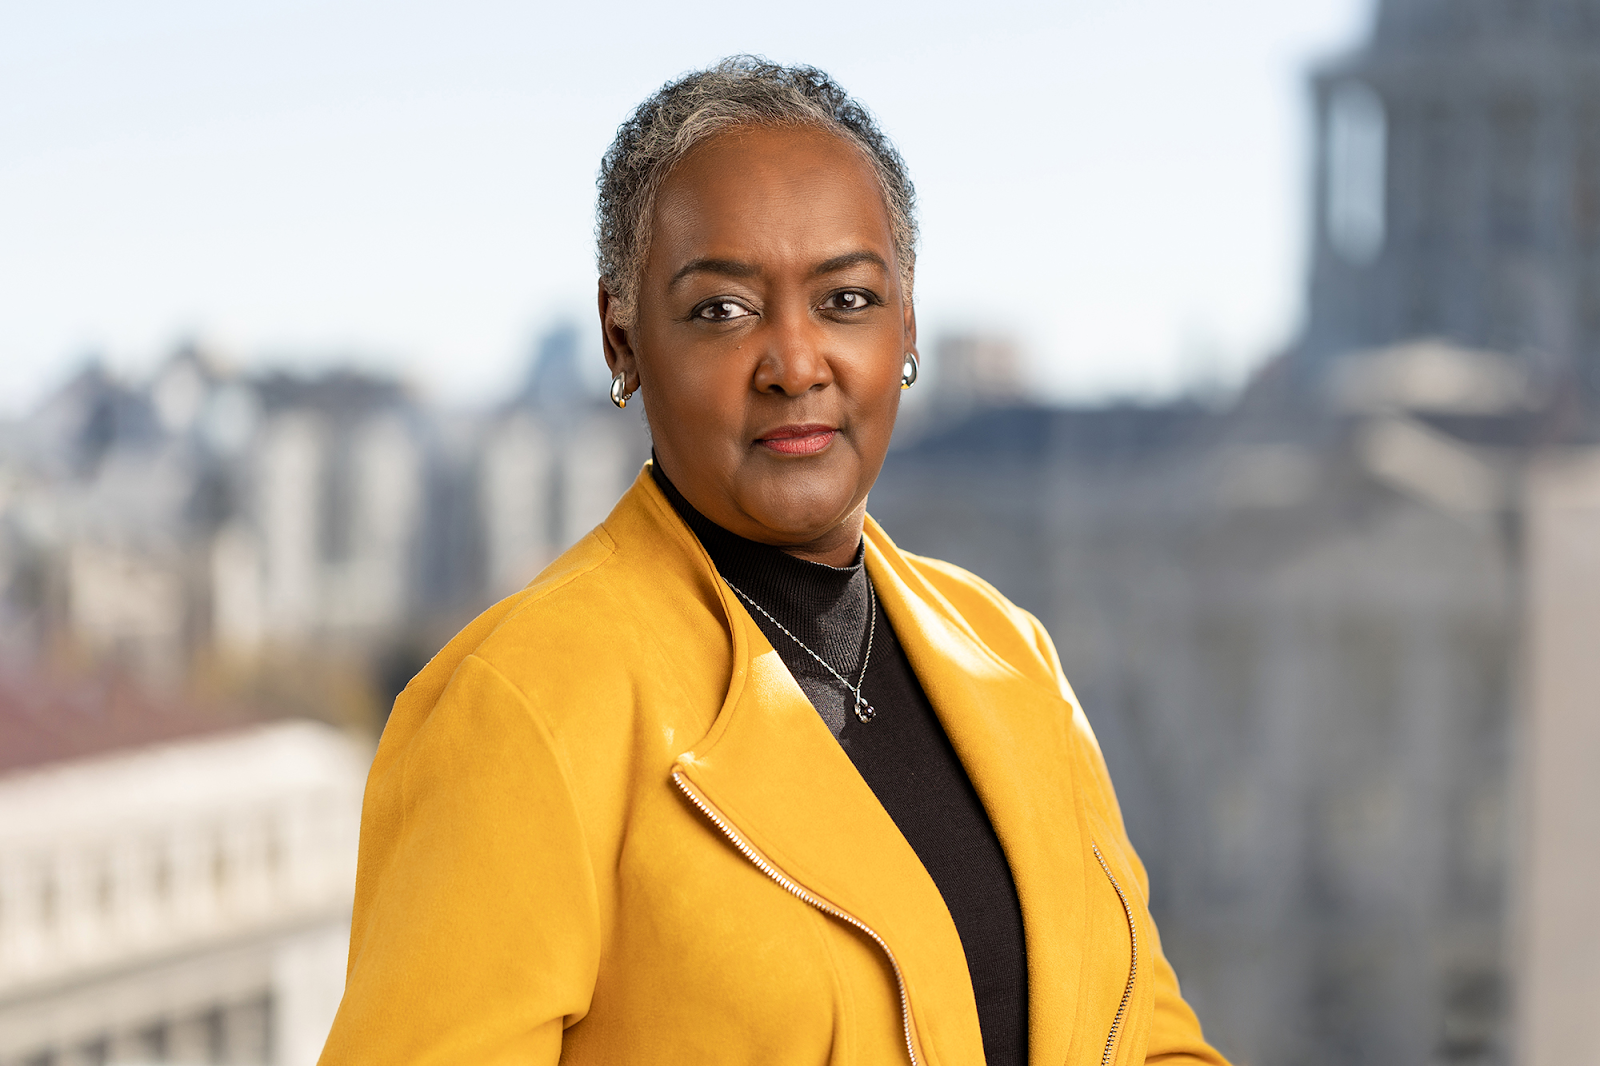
(736, 779)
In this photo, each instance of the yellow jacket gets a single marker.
(604, 825)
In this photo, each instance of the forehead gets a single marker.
(770, 194)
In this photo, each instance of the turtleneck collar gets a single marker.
(825, 606)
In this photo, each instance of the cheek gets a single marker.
(712, 392)
(885, 410)
(698, 396)
(878, 389)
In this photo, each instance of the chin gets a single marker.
(805, 519)
(805, 528)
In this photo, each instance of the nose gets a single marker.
(795, 359)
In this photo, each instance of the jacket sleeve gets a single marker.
(475, 936)
(1175, 1033)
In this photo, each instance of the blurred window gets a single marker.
(49, 901)
(221, 870)
(163, 874)
(104, 888)
(1356, 147)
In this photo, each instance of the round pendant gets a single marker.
(864, 710)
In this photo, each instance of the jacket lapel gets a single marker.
(772, 769)
(1011, 734)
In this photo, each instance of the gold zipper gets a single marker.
(765, 865)
(1133, 964)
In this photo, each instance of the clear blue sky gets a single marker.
(1117, 183)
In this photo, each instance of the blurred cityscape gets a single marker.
(1336, 630)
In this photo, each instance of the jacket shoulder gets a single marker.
(1018, 638)
(477, 639)
(582, 643)
(1011, 632)
(521, 610)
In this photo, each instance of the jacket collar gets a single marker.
(772, 768)
(1011, 734)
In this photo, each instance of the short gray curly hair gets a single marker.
(738, 91)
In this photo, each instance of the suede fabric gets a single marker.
(539, 883)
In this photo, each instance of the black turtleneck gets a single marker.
(902, 753)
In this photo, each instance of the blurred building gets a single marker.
(1295, 629)
(1458, 184)
(226, 524)
(1337, 637)
(1338, 647)
(187, 902)
(976, 369)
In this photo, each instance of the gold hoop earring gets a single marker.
(908, 372)
(619, 396)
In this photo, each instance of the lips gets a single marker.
(805, 439)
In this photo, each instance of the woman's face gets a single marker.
(769, 336)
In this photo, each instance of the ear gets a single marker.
(617, 342)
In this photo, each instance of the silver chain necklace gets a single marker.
(864, 710)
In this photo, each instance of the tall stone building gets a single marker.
(1458, 184)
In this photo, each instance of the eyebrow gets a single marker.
(849, 259)
(731, 268)
(734, 268)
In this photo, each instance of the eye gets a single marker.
(721, 311)
(848, 300)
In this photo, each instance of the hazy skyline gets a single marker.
(410, 187)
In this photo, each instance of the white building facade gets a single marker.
(183, 903)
